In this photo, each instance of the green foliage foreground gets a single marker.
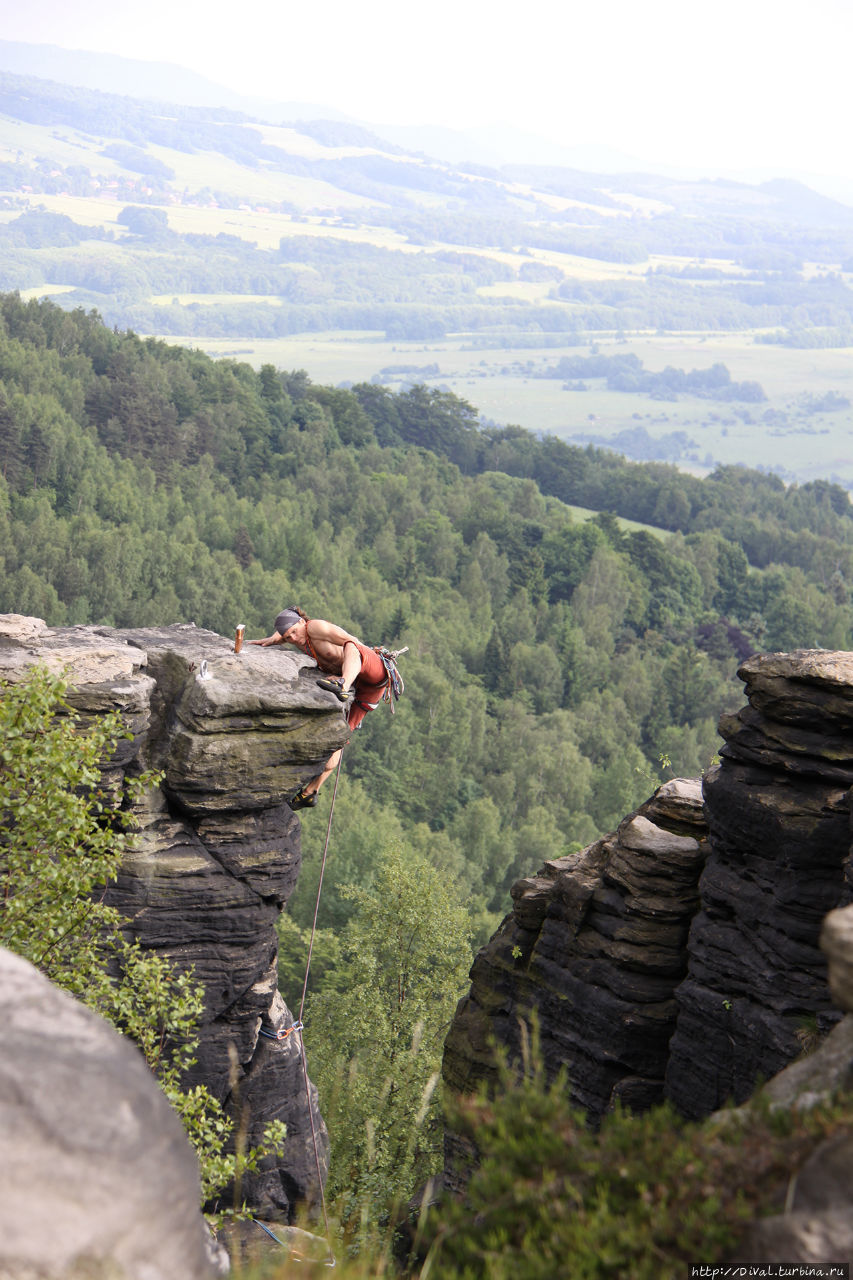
(378, 1024)
(640, 1198)
(643, 1197)
(63, 834)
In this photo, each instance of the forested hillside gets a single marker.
(554, 663)
(561, 662)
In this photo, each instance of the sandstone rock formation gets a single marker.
(779, 831)
(817, 1225)
(649, 981)
(219, 849)
(595, 947)
(820, 1074)
(96, 1176)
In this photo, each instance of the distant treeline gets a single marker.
(806, 339)
(321, 282)
(626, 372)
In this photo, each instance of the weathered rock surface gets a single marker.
(779, 832)
(819, 1075)
(649, 981)
(799, 1237)
(219, 848)
(96, 1175)
(595, 947)
(836, 943)
(817, 1225)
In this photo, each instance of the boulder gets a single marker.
(817, 1226)
(97, 1178)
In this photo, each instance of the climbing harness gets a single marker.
(283, 1034)
(394, 685)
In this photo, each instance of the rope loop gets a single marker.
(282, 1033)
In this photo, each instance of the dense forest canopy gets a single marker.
(554, 663)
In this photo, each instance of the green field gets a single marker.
(630, 526)
(500, 384)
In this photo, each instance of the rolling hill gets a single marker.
(319, 243)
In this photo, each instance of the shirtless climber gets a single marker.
(354, 673)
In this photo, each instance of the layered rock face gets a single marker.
(679, 955)
(817, 1222)
(779, 829)
(595, 948)
(219, 851)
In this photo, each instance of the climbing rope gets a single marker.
(297, 1026)
(271, 1234)
(393, 689)
(320, 886)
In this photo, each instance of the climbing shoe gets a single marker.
(303, 799)
(335, 686)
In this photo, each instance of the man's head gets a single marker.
(292, 625)
(285, 620)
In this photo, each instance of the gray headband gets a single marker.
(286, 619)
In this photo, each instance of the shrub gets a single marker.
(644, 1196)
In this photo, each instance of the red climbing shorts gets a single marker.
(370, 684)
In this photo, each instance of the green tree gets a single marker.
(379, 1028)
(791, 623)
(63, 834)
(362, 826)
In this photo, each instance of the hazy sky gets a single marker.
(737, 84)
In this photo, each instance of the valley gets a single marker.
(316, 245)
